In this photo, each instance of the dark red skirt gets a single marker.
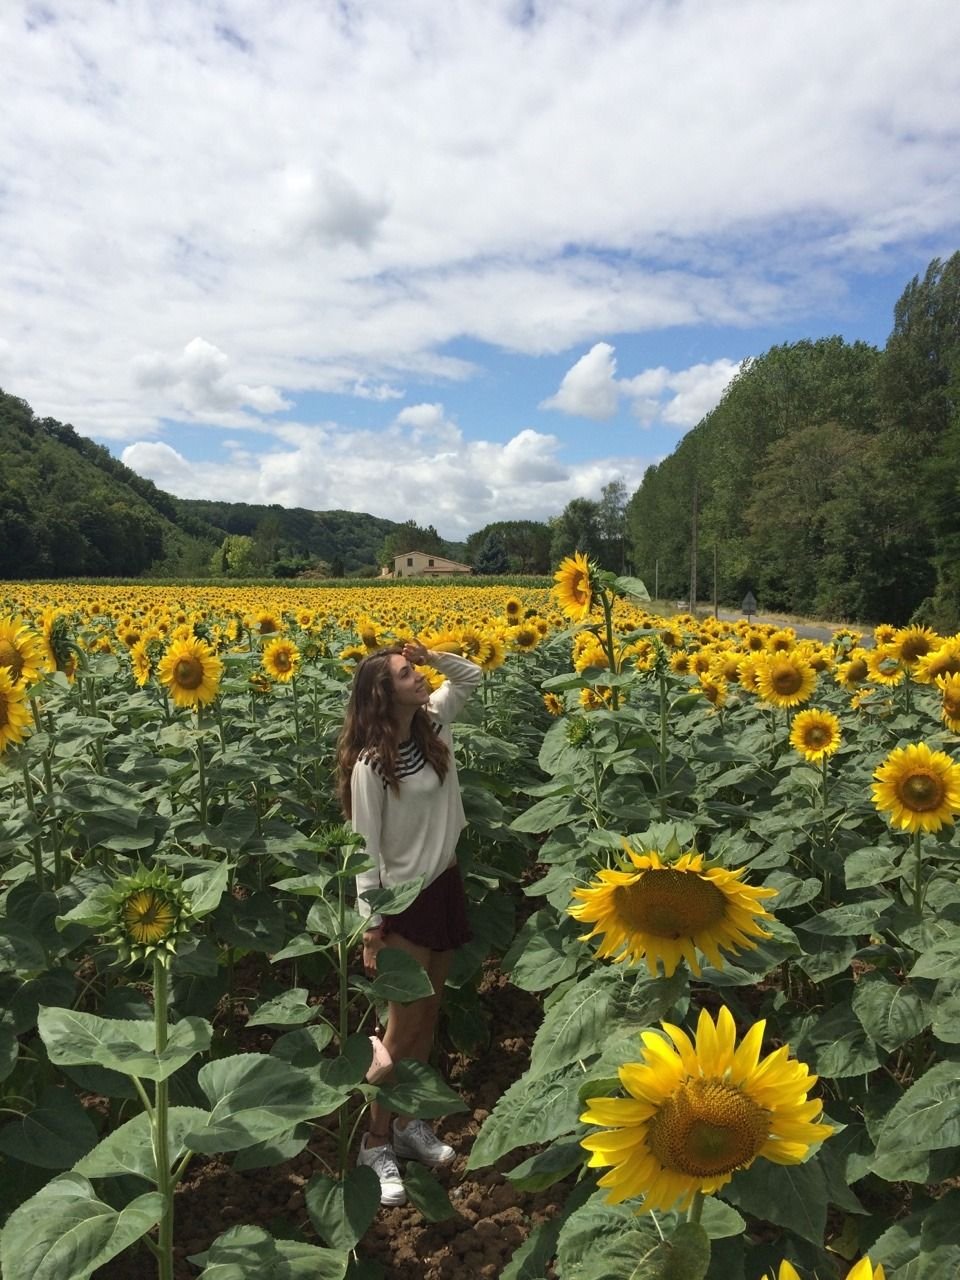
(437, 918)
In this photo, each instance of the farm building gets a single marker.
(418, 564)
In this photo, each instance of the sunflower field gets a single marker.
(718, 857)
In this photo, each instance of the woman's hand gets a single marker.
(372, 945)
(415, 653)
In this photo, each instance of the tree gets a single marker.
(527, 544)
(493, 558)
(612, 521)
(577, 528)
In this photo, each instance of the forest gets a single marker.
(826, 481)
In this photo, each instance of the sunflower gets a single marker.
(781, 641)
(680, 662)
(785, 680)
(140, 663)
(22, 652)
(910, 644)
(495, 654)
(883, 633)
(713, 689)
(554, 704)
(280, 659)
(369, 633)
(266, 623)
(944, 661)
(815, 734)
(592, 699)
(474, 645)
(949, 687)
(696, 1112)
(853, 672)
(574, 588)
(513, 608)
(919, 788)
(667, 911)
(150, 912)
(884, 666)
(862, 1270)
(191, 671)
(523, 637)
(14, 714)
(748, 671)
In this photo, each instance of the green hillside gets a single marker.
(69, 509)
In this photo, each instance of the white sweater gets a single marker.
(413, 831)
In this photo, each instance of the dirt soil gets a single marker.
(492, 1218)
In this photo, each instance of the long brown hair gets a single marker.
(370, 724)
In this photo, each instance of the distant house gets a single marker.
(418, 564)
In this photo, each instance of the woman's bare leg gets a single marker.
(411, 1027)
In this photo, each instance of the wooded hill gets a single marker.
(828, 477)
(69, 509)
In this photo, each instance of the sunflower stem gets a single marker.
(606, 601)
(695, 1212)
(343, 961)
(918, 876)
(160, 1126)
(36, 847)
(662, 680)
(201, 768)
(55, 823)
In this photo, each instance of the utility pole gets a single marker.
(716, 608)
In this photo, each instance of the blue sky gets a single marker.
(455, 260)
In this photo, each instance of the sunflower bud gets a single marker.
(150, 913)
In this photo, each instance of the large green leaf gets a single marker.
(303, 1048)
(287, 1010)
(547, 1167)
(927, 1118)
(942, 960)
(243, 1252)
(553, 811)
(54, 1135)
(866, 868)
(391, 902)
(82, 1039)
(840, 1044)
(890, 1012)
(65, 1233)
(255, 1098)
(600, 1241)
(129, 1149)
(945, 1008)
(850, 919)
(417, 1090)
(925, 1245)
(793, 1196)
(342, 1210)
(548, 958)
(534, 1109)
(399, 977)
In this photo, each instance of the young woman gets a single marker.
(398, 787)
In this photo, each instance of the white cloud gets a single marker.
(590, 389)
(400, 473)
(199, 381)
(339, 198)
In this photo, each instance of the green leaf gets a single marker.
(841, 1046)
(634, 587)
(547, 1167)
(866, 868)
(255, 923)
(419, 1091)
(303, 1048)
(824, 957)
(426, 1194)
(350, 1067)
(548, 958)
(851, 919)
(945, 1007)
(554, 811)
(793, 1196)
(534, 1109)
(390, 902)
(129, 1149)
(923, 1246)
(243, 1252)
(207, 888)
(342, 1211)
(264, 1155)
(65, 1233)
(256, 1098)
(926, 1118)
(399, 977)
(287, 1010)
(791, 890)
(54, 1135)
(82, 1039)
(600, 1241)
(942, 960)
(891, 1013)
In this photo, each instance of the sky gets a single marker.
(451, 260)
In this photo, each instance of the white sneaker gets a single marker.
(417, 1141)
(383, 1161)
